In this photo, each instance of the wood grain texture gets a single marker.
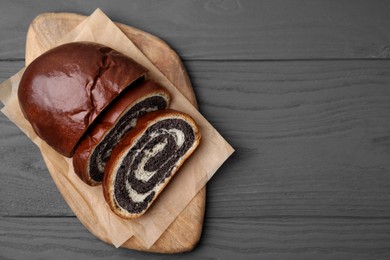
(310, 175)
(65, 238)
(312, 139)
(229, 29)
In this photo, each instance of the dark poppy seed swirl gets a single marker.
(150, 161)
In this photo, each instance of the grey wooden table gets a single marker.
(301, 89)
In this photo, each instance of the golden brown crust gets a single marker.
(107, 120)
(121, 149)
(65, 89)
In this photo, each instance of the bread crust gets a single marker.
(122, 148)
(63, 90)
(107, 120)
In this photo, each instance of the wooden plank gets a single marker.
(312, 139)
(230, 29)
(66, 238)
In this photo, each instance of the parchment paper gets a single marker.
(87, 202)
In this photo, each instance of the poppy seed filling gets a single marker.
(102, 151)
(150, 161)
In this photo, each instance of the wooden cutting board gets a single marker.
(184, 233)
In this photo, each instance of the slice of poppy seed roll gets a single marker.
(146, 159)
(121, 115)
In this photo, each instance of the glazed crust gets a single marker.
(65, 89)
(107, 120)
(122, 148)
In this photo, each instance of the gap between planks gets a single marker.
(266, 217)
(250, 60)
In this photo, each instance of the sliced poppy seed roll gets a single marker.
(95, 148)
(146, 159)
